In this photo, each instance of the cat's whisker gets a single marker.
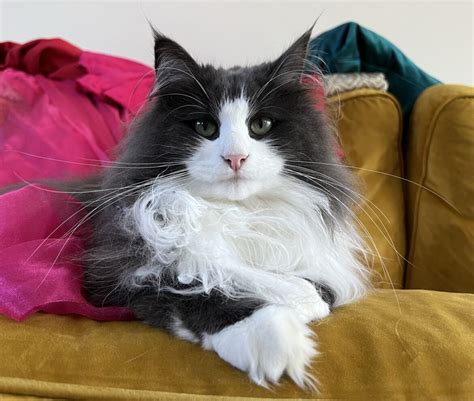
(385, 233)
(190, 105)
(92, 213)
(66, 220)
(188, 73)
(389, 239)
(183, 95)
(256, 96)
(108, 164)
(388, 175)
(138, 185)
(346, 188)
(130, 190)
(132, 93)
(309, 171)
(70, 233)
(312, 178)
(364, 252)
(286, 82)
(275, 76)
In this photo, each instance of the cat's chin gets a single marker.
(231, 189)
(237, 190)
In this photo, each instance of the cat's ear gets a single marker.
(294, 61)
(171, 60)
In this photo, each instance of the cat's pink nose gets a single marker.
(235, 161)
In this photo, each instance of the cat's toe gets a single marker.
(286, 346)
(301, 355)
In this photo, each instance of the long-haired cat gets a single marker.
(227, 218)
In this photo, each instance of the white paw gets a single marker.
(306, 300)
(272, 341)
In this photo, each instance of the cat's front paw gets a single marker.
(274, 340)
(306, 300)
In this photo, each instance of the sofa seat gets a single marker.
(393, 345)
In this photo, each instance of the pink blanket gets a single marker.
(62, 112)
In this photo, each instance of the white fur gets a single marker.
(211, 173)
(234, 133)
(261, 247)
(272, 341)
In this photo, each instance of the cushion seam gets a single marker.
(361, 93)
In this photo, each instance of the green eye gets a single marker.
(205, 128)
(261, 126)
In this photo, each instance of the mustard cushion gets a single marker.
(369, 123)
(441, 209)
(403, 345)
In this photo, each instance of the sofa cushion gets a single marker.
(370, 129)
(441, 211)
(403, 345)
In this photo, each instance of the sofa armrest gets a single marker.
(440, 162)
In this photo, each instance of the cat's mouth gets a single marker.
(236, 178)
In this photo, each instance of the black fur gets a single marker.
(200, 313)
(326, 293)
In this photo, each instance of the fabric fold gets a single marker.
(62, 113)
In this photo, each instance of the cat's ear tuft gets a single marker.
(294, 61)
(171, 60)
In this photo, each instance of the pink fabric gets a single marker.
(62, 113)
(37, 270)
(57, 128)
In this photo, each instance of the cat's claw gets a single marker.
(274, 340)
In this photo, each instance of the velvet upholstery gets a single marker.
(393, 345)
(408, 345)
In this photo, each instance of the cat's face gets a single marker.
(239, 159)
(232, 132)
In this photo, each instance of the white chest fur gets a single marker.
(261, 247)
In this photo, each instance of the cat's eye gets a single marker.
(261, 125)
(205, 128)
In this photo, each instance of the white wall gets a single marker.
(436, 35)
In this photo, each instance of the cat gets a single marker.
(227, 219)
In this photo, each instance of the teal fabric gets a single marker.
(353, 48)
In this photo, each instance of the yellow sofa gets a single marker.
(411, 339)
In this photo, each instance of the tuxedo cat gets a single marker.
(227, 218)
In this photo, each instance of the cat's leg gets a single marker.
(276, 338)
(262, 338)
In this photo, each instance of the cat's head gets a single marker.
(232, 133)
